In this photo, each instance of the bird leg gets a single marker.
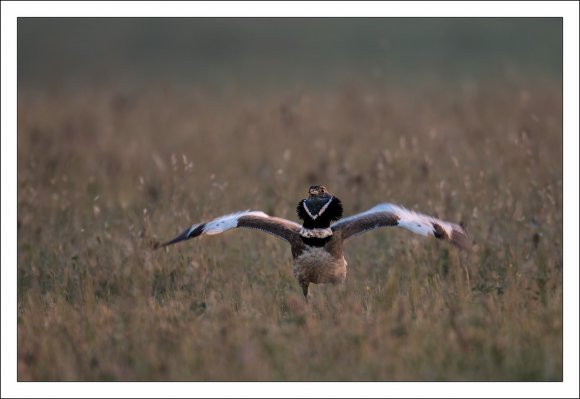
(304, 285)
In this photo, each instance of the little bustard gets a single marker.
(317, 244)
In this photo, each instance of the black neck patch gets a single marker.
(318, 212)
(315, 241)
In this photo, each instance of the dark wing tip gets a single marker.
(187, 234)
(439, 232)
(459, 236)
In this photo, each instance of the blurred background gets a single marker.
(129, 130)
(274, 52)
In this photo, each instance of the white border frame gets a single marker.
(568, 10)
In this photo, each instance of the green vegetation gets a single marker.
(105, 173)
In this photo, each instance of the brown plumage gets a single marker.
(317, 245)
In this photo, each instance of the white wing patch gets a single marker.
(227, 222)
(416, 222)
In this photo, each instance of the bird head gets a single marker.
(317, 191)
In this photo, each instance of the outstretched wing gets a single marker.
(393, 215)
(282, 228)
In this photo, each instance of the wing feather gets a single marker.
(281, 228)
(387, 214)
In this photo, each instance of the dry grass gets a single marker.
(104, 173)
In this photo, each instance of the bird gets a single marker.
(317, 244)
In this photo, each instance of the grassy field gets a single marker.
(105, 173)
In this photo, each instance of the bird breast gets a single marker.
(316, 265)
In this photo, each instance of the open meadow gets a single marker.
(105, 173)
